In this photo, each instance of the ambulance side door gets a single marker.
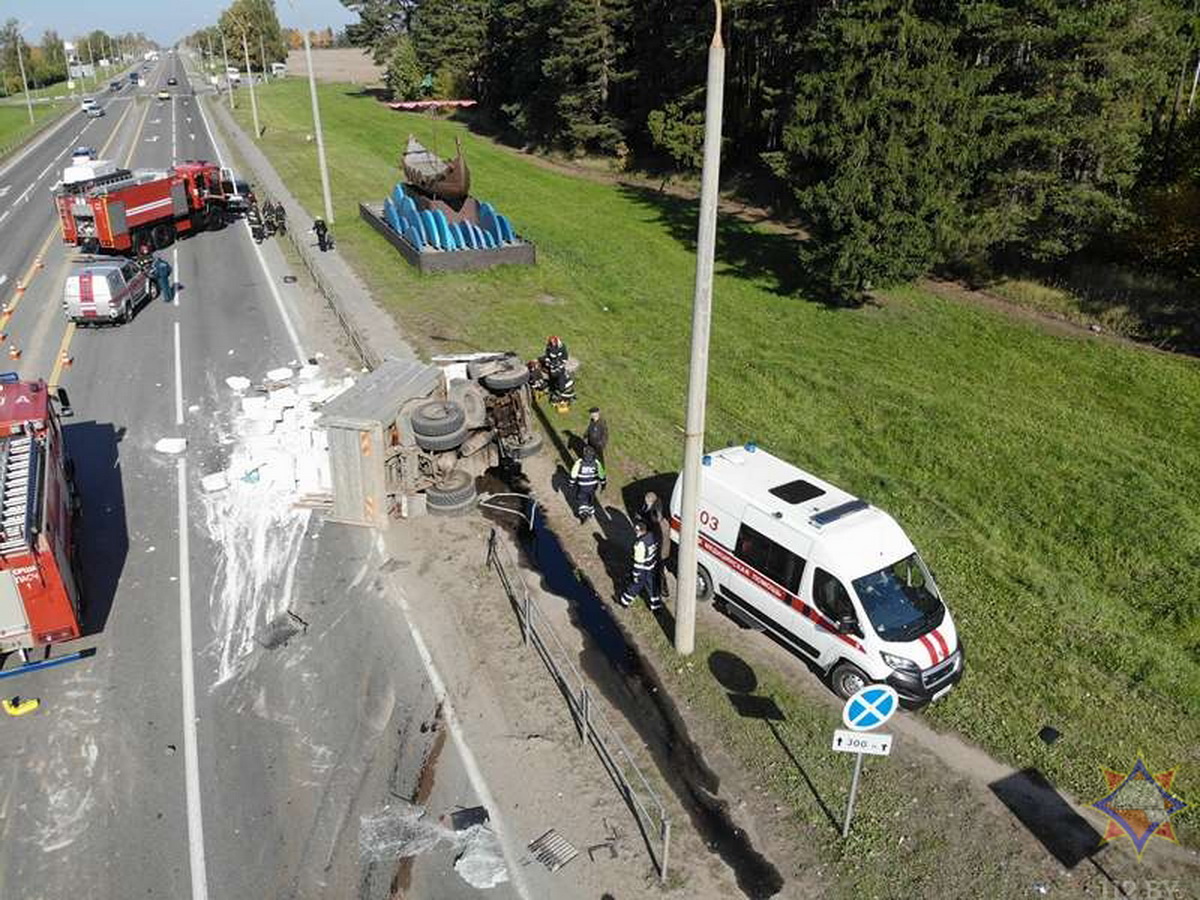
(837, 625)
(769, 571)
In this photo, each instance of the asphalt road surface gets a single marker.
(141, 775)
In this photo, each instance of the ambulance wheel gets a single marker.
(847, 680)
(161, 235)
(438, 417)
(704, 585)
(455, 495)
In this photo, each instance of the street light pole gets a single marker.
(24, 81)
(250, 76)
(92, 63)
(316, 111)
(225, 56)
(693, 446)
(262, 54)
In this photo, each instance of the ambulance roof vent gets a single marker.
(839, 512)
(798, 491)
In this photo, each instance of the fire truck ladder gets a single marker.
(18, 493)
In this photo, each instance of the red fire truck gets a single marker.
(40, 600)
(121, 211)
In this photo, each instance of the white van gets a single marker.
(829, 575)
(232, 75)
(105, 292)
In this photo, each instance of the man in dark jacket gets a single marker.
(596, 435)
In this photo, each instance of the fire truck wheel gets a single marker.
(436, 443)
(528, 447)
(513, 375)
(438, 417)
(847, 680)
(161, 236)
(454, 495)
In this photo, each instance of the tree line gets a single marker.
(46, 61)
(909, 134)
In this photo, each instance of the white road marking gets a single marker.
(152, 139)
(474, 775)
(178, 380)
(191, 750)
(287, 320)
(4, 215)
(3, 278)
(174, 152)
(5, 189)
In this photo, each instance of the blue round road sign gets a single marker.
(870, 707)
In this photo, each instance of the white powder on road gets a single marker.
(277, 456)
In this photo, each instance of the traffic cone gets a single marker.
(64, 360)
(20, 287)
(38, 264)
(13, 352)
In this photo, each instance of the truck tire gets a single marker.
(847, 679)
(436, 443)
(162, 235)
(528, 447)
(513, 375)
(455, 495)
(438, 417)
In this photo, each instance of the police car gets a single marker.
(831, 576)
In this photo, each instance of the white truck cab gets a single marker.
(829, 575)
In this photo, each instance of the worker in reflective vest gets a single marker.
(645, 566)
(587, 475)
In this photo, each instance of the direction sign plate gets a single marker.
(862, 742)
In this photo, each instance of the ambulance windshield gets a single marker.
(901, 600)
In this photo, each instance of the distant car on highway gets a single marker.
(164, 95)
(91, 109)
(172, 81)
(114, 85)
(82, 154)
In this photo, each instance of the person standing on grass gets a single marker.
(596, 435)
(587, 475)
(656, 523)
(645, 569)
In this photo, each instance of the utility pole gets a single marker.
(1195, 82)
(92, 63)
(316, 111)
(24, 81)
(250, 76)
(262, 54)
(693, 444)
(225, 56)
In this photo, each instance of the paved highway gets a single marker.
(146, 773)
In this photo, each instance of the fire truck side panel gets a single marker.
(51, 613)
(116, 217)
(179, 200)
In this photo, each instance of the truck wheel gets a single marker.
(162, 236)
(438, 417)
(704, 585)
(847, 680)
(513, 375)
(436, 443)
(455, 495)
(528, 447)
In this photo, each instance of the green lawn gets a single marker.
(14, 122)
(1053, 484)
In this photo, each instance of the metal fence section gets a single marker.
(642, 800)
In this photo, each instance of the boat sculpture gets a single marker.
(425, 170)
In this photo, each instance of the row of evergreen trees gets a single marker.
(909, 133)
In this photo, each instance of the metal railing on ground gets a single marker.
(643, 801)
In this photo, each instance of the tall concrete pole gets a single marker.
(250, 76)
(316, 112)
(228, 86)
(693, 442)
(92, 63)
(24, 81)
(262, 54)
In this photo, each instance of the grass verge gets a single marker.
(15, 128)
(1050, 482)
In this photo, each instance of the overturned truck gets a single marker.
(411, 438)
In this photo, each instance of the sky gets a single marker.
(164, 22)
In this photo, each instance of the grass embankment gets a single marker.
(1051, 483)
(14, 122)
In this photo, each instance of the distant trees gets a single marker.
(909, 133)
(256, 21)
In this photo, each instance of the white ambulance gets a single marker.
(829, 575)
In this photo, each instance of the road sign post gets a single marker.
(867, 708)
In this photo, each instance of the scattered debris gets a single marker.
(283, 373)
(18, 706)
(391, 564)
(217, 481)
(238, 382)
(1049, 734)
(170, 749)
(552, 850)
(171, 445)
(281, 629)
(289, 279)
(195, 407)
(462, 819)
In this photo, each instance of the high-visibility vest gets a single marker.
(587, 474)
(645, 553)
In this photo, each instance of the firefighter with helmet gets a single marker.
(562, 385)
